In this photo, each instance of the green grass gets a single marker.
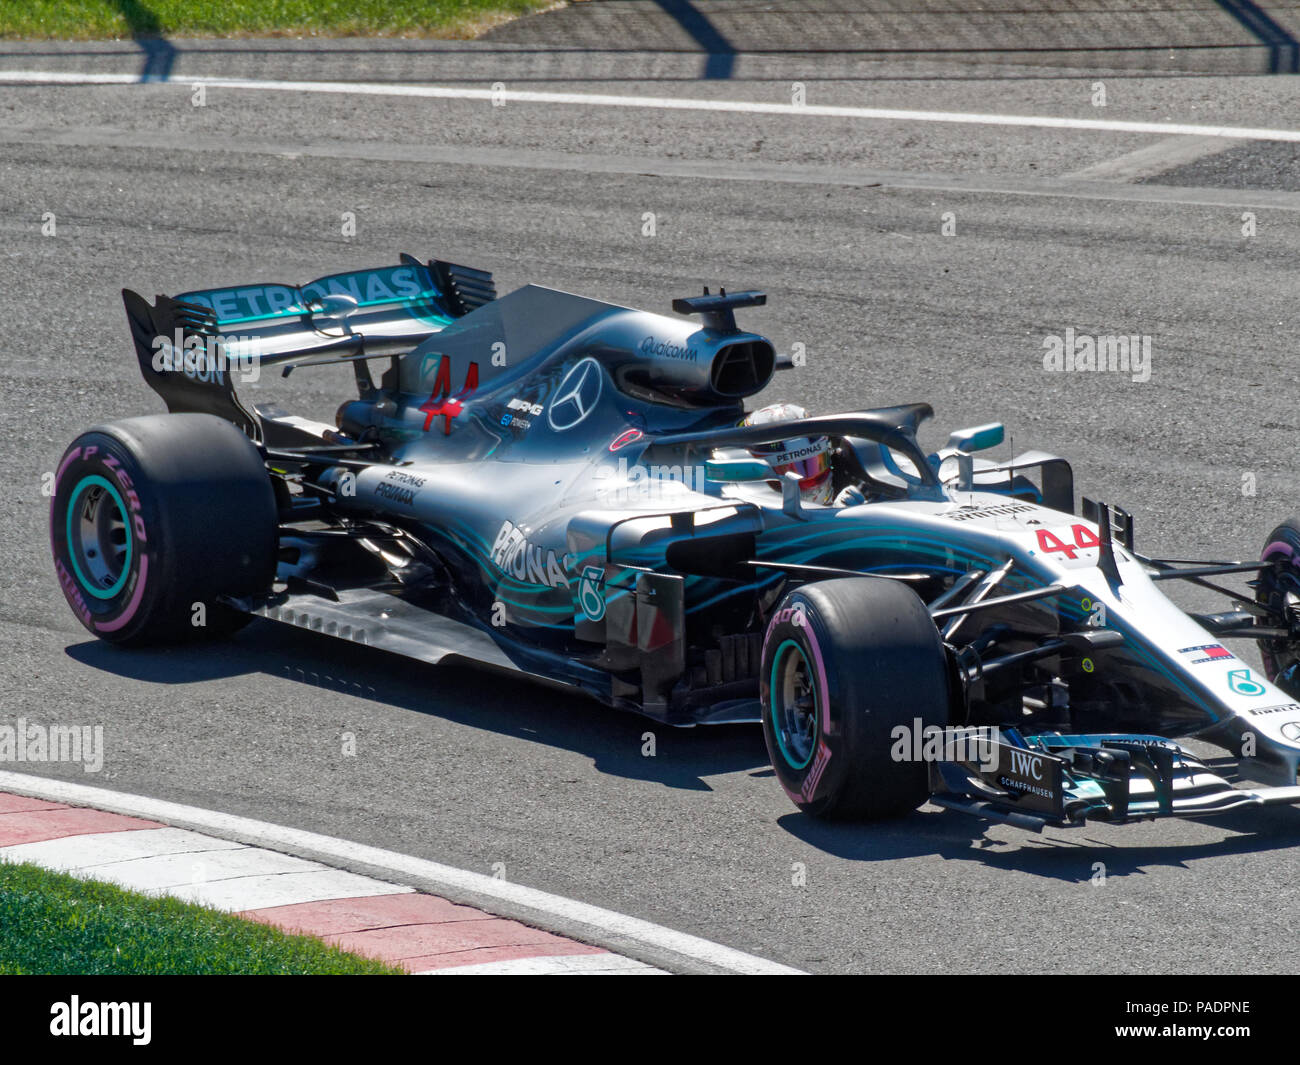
(55, 924)
(97, 19)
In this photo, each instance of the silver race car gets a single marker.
(558, 486)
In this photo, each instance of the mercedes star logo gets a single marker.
(576, 396)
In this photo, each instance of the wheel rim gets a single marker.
(99, 537)
(793, 705)
(1277, 653)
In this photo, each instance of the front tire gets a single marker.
(846, 662)
(1281, 658)
(153, 519)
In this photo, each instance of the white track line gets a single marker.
(614, 931)
(664, 103)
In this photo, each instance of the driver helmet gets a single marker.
(809, 457)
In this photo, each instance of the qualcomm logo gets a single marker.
(576, 396)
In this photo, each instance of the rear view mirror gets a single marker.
(978, 438)
(733, 470)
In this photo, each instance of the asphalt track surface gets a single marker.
(479, 771)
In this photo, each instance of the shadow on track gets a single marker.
(1067, 855)
(510, 706)
(1283, 48)
(147, 32)
(719, 40)
(469, 695)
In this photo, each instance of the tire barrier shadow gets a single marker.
(721, 55)
(732, 40)
(146, 31)
(1283, 48)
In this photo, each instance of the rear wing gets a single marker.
(192, 347)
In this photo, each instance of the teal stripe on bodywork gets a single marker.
(434, 318)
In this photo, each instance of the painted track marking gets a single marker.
(1153, 159)
(665, 103)
(110, 137)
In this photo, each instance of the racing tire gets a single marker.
(1281, 657)
(152, 517)
(845, 663)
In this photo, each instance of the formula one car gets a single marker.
(573, 490)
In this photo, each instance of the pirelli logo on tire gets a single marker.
(814, 777)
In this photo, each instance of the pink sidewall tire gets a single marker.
(153, 519)
(845, 663)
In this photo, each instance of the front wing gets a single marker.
(1067, 780)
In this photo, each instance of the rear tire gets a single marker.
(153, 519)
(845, 662)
